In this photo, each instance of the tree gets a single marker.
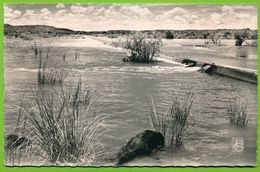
(227, 34)
(169, 35)
(215, 38)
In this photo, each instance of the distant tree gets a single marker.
(205, 36)
(240, 37)
(227, 34)
(215, 38)
(169, 35)
(254, 35)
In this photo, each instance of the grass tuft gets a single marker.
(46, 75)
(51, 76)
(237, 113)
(175, 123)
(62, 127)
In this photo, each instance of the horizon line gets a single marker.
(131, 29)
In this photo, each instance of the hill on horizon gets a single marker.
(25, 31)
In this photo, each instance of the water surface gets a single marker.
(125, 93)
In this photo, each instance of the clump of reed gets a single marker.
(51, 76)
(46, 75)
(237, 112)
(77, 55)
(176, 122)
(16, 143)
(62, 127)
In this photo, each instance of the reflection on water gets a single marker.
(126, 90)
(243, 52)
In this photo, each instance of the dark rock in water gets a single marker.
(208, 68)
(142, 144)
(189, 63)
(13, 141)
(125, 59)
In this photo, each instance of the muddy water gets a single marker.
(125, 92)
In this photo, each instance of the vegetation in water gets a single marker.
(240, 37)
(176, 122)
(61, 126)
(237, 112)
(47, 75)
(141, 49)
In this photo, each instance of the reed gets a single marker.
(237, 113)
(62, 127)
(51, 76)
(46, 75)
(176, 122)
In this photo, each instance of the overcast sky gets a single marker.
(135, 17)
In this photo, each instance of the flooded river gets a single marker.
(126, 90)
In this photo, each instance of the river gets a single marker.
(126, 90)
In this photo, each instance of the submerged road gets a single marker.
(250, 64)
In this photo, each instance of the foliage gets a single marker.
(237, 113)
(240, 37)
(45, 75)
(141, 49)
(169, 35)
(62, 127)
(175, 123)
(216, 38)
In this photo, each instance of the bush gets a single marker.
(237, 113)
(62, 127)
(240, 37)
(175, 123)
(141, 49)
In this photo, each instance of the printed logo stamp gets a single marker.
(238, 144)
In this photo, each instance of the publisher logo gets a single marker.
(238, 144)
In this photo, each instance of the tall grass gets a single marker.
(237, 113)
(77, 55)
(51, 76)
(62, 127)
(175, 123)
(46, 75)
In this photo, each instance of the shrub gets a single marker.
(62, 127)
(240, 37)
(237, 113)
(141, 49)
(175, 123)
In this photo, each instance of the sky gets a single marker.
(91, 17)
